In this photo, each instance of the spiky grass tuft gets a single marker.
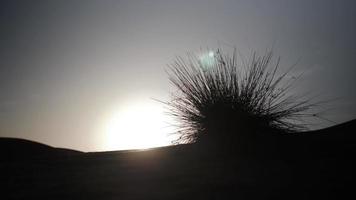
(226, 100)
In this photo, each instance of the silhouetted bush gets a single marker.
(226, 101)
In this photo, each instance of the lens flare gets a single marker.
(207, 60)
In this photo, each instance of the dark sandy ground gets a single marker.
(313, 165)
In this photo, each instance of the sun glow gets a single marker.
(138, 126)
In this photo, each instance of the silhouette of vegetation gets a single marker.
(226, 101)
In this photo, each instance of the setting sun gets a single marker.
(137, 126)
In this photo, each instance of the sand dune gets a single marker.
(315, 165)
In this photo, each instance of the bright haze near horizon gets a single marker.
(83, 74)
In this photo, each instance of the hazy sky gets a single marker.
(68, 67)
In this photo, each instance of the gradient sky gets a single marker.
(66, 66)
